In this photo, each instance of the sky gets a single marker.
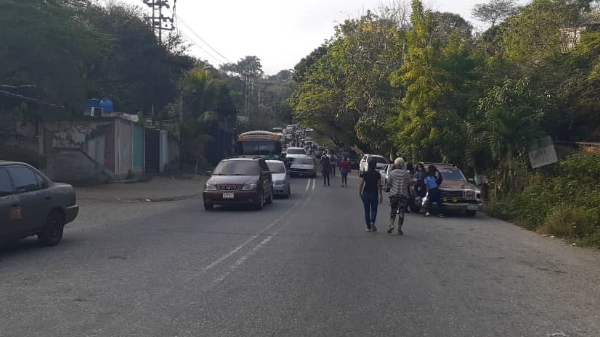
(279, 32)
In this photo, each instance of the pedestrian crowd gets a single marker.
(406, 185)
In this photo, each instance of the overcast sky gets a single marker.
(279, 32)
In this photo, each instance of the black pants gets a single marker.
(434, 196)
(325, 178)
(333, 170)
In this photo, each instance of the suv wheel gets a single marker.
(270, 200)
(208, 206)
(53, 230)
(414, 208)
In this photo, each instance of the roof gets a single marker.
(241, 159)
(6, 162)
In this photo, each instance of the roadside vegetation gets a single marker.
(406, 80)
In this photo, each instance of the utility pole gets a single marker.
(161, 22)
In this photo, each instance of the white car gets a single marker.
(303, 167)
(363, 166)
(281, 178)
(295, 152)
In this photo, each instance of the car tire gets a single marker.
(270, 200)
(261, 202)
(470, 213)
(414, 208)
(53, 230)
(208, 206)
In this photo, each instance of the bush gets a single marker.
(564, 202)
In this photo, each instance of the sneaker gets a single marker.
(400, 232)
(373, 228)
(427, 214)
(390, 230)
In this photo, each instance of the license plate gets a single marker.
(228, 195)
(472, 207)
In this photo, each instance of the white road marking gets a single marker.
(308, 184)
(314, 181)
(243, 259)
(237, 249)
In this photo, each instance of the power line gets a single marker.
(31, 99)
(200, 38)
(200, 47)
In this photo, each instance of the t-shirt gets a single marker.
(345, 166)
(372, 179)
(399, 180)
(431, 182)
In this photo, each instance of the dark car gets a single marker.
(353, 159)
(239, 181)
(31, 204)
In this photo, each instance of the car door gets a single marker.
(9, 207)
(266, 177)
(33, 202)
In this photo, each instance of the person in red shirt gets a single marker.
(344, 170)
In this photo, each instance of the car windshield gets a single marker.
(278, 167)
(379, 160)
(296, 151)
(303, 161)
(452, 174)
(237, 168)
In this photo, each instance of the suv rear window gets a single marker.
(379, 160)
(6, 187)
(276, 167)
(296, 151)
(237, 168)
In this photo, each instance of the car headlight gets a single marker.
(210, 187)
(469, 194)
(249, 187)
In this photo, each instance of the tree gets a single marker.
(494, 11)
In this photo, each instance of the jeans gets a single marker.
(325, 178)
(370, 202)
(434, 196)
(333, 169)
(344, 178)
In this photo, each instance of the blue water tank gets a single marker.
(107, 105)
(93, 103)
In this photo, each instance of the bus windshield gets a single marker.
(260, 148)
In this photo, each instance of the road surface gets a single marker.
(301, 267)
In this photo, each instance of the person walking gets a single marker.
(431, 183)
(411, 193)
(399, 182)
(344, 170)
(370, 187)
(420, 188)
(325, 170)
(334, 163)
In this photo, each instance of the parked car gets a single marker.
(281, 178)
(31, 204)
(303, 167)
(456, 192)
(384, 171)
(238, 181)
(364, 162)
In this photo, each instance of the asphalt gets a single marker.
(303, 266)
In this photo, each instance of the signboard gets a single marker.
(542, 153)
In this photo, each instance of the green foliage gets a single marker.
(564, 202)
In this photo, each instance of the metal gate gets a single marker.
(152, 152)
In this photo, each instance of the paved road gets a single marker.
(300, 267)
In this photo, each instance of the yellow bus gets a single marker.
(259, 144)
